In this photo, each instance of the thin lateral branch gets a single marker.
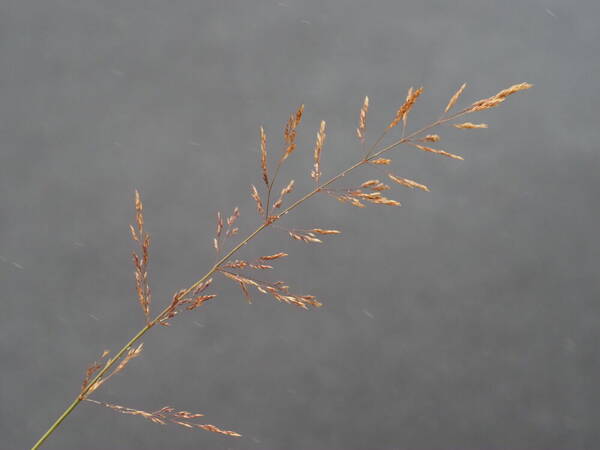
(167, 415)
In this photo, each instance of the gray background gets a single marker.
(468, 318)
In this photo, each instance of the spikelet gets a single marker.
(381, 161)
(402, 113)
(375, 185)
(513, 89)
(237, 264)
(202, 286)
(385, 201)
(437, 151)
(259, 266)
(347, 199)
(454, 98)
(241, 264)
(469, 125)
(408, 183)
(322, 231)
(256, 196)
(234, 217)
(239, 278)
(486, 103)
(369, 183)
(231, 220)
(167, 415)
(220, 224)
(362, 121)
(374, 197)
(285, 191)
(263, 156)
(274, 256)
(308, 237)
(302, 301)
(245, 292)
(197, 301)
(316, 171)
(364, 195)
(431, 138)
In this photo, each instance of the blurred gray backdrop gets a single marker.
(468, 318)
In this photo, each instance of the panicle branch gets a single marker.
(167, 415)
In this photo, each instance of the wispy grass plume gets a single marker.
(251, 273)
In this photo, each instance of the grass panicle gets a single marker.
(242, 271)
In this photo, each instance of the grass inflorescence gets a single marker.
(249, 274)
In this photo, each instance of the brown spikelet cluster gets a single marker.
(495, 100)
(346, 198)
(140, 261)
(92, 369)
(362, 121)
(513, 89)
(316, 172)
(469, 125)
(274, 256)
(230, 231)
(430, 138)
(402, 113)
(375, 185)
(182, 300)
(381, 162)
(243, 264)
(455, 98)
(259, 205)
(437, 151)
(285, 191)
(279, 290)
(322, 231)
(168, 415)
(356, 196)
(408, 183)
(263, 156)
(289, 133)
(307, 237)
(289, 136)
(132, 352)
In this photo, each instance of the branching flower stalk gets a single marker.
(193, 296)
